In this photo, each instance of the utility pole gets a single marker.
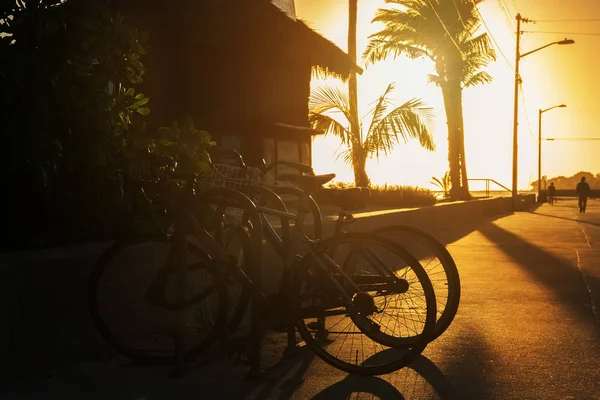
(516, 113)
(516, 116)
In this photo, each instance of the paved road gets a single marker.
(528, 328)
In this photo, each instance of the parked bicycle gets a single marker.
(268, 190)
(165, 300)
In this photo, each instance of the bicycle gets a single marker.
(363, 260)
(433, 255)
(315, 278)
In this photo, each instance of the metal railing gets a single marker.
(487, 185)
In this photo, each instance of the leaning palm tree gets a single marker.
(411, 120)
(446, 32)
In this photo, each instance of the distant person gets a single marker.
(551, 193)
(583, 192)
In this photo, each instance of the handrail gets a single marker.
(487, 184)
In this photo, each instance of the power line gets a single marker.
(526, 113)
(565, 33)
(459, 16)
(492, 36)
(448, 32)
(568, 20)
(507, 16)
(571, 138)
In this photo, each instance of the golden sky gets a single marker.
(555, 75)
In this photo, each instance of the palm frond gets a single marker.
(380, 106)
(411, 120)
(330, 126)
(480, 78)
(327, 98)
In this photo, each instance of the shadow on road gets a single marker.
(422, 379)
(568, 219)
(449, 236)
(563, 278)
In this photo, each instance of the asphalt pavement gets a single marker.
(528, 327)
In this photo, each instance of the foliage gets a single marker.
(569, 182)
(185, 144)
(443, 183)
(389, 196)
(447, 33)
(389, 125)
(70, 113)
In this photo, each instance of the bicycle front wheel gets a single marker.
(144, 330)
(366, 320)
(438, 264)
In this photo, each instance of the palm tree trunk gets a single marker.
(461, 149)
(449, 96)
(359, 164)
(359, 167)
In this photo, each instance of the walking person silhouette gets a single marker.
(583, 192)
(551, 193)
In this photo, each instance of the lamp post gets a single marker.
(540, 145)
(518, 57)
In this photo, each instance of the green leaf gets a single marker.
(130, 92)
(143, 111)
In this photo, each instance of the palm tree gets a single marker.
(446, 32)
(443, 183)
(410, 120)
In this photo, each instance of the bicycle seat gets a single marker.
(309, 183)
(351, 198)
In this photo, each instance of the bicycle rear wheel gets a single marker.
(440, 267)
(139, 329)
(375, 324)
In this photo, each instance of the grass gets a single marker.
(392, 196)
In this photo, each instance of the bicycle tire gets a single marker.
(144, 248)
(238, 295)
(313, 209)
(376, 358)
(440, 267)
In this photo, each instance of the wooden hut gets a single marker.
(240, 68)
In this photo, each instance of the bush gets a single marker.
(391, 196)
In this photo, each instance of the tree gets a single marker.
(446, 32)
(68, 72)
(443, 183)
(353, 118)
(411, 120)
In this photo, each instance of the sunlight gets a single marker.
(488, 110)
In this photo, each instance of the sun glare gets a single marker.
(488, 110)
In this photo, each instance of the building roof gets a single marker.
(321, 52)
(325, 54)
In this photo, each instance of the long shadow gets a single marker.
(557, 275)
(451, 235)
(423, 377)
(568, 219)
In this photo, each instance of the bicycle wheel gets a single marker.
(375, 324)
(440, 267)
(139, 329)
(313, 224)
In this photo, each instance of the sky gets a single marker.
(555, 75)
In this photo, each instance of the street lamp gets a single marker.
(518, 57)
(540, 145)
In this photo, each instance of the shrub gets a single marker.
(392, 196)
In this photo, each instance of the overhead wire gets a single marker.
(568, 20)
(492, 36)
(448, 32)
(459, 16)
(565, 33)
(525, 111)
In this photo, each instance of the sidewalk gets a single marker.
(528, 328)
